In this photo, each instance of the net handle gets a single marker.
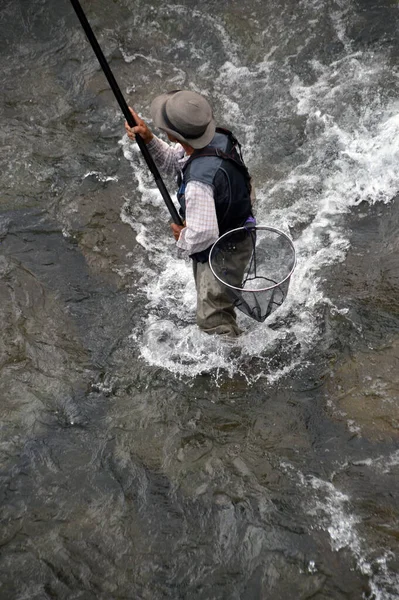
(125, 110)
(257, 228)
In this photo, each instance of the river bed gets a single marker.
(141, 459)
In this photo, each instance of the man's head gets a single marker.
(186, 116)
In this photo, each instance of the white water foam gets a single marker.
(333, 511)
(100, 176)
(350, 155)
(384, 464)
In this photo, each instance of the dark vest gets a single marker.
(220, 165)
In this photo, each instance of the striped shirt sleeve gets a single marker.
(201, 229)
(166, 157)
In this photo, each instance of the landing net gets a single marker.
(255, 265)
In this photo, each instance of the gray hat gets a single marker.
(185, 115)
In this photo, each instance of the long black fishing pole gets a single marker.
(125, 109)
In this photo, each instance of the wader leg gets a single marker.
(215, 312)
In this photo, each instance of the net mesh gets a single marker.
(255, 265)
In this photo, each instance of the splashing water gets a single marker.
(348, 155)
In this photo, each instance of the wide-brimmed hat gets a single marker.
(185, 115)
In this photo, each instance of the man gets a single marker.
(214, 191)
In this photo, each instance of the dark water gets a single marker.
(139, 460)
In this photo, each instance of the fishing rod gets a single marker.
(125, 109)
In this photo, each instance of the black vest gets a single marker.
(220, 165)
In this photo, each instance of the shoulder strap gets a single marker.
(234, 155)
(232, 138)
(229, 134)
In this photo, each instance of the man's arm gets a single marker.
(202, 228)
(166, 157)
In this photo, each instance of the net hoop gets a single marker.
(256, 228)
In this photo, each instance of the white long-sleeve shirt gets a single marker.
(201, 229)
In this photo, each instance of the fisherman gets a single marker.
(214, 192)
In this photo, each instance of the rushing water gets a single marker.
(141, 459)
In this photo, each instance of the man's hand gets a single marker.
(176, 230)
(141, 129)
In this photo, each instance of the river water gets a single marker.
(140, 459)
